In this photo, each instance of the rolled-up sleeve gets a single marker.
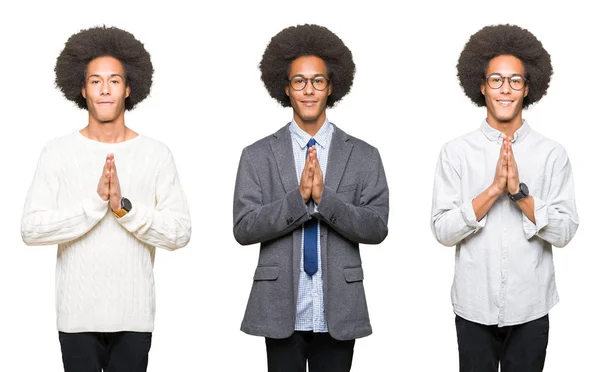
(556, 218)
(452, 218)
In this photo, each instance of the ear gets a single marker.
(526, 90)
(287, 90)
(329, 89)
(83, 92)
(127, 91)
(482, 87)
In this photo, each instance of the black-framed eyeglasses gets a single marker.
(319, 82)
(516, 81)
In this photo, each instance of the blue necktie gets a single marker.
(311, 263)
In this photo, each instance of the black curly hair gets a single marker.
(306, 40)
(493, 41)
(83, 47)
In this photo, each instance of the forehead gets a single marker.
(505, 65)
(308, 66)
(105, 66)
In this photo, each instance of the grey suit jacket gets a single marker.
(269, 209)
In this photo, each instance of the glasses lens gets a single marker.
(298, 83)
(495, 81)
(517, 82)
(319, 82)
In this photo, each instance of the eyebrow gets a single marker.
(305, 77)
(111, 75)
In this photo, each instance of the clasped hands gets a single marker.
(507, 173)
(311, 180)
(108, 186)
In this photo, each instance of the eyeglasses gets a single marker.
(496, 81)
(298, 82)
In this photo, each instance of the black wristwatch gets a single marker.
(523, 192)
(125, 208)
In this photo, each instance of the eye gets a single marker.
(115, 81)
(94, 81)
(318, 80)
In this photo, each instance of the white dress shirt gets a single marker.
(310, 308)
(504, 272)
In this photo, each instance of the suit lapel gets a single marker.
(281, 145)
(338, 158)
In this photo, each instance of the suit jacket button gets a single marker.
(333, 219)
(289, 220)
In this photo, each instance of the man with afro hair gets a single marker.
(309, 194)
(503, 195)
(107, 196)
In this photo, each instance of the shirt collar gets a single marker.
(495, 135)
(302, 138)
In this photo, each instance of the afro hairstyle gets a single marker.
(493, 41)
(83, 47)
(306, 40)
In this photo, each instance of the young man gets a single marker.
(504, 196)
(107, 196)
(309, 193)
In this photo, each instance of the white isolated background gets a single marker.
(208, 102)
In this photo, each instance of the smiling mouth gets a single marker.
(309, 103)
(504, 103)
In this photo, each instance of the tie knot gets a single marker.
(311, 142)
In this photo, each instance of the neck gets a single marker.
(109, 132)
(507, 127)
(310, 126)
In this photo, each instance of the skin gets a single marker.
(504, 113)
(309, 107)
(105, 91)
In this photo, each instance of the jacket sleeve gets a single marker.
(255, 222)
(366, 222)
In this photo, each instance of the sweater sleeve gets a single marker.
(43, 222)
(166, 224)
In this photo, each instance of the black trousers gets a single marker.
(518, 348)
(109, 352)
(323, 352)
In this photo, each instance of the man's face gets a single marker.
(505, 104)
(309, 103)
(105, 89)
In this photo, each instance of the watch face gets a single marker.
(524, 189)
(126, 204)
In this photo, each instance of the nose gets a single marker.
(309, 89)
(105, 90)
(505, 88)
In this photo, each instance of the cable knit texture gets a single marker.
(104, 278)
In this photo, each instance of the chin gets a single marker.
(105, 119)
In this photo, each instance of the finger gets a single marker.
(311, 170)
(505, 155)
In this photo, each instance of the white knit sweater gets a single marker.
(104, 278)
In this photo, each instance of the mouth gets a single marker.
(309, 103)
(105, 103)
(505, 103)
